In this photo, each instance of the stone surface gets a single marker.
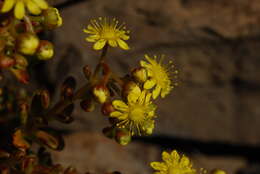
(97, 154)
(215, 47)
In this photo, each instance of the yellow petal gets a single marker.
(92, 38)
(175, 155)
(166, 157)
(99, 44)
(19, 10)
(7, 6)
(156, 92)
(112, 43)
(120, 105)
(148, 97)
(158, 166)
(149, 84)
(33, 8)
(116, 114)
(165, 92)
(184, 161)
(123, 44)
(124, 37)
(41, 3)
(141, 98)
(134, 95)
(143, 63)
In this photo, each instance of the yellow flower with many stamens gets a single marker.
(159, 76)
(106, 31)
(137, 114)
(34, 6)
(173, 163)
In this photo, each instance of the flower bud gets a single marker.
(123, 136)
(218, 171)
(107, 108)
(52, 18)
(27, 43)
(45, 50)
(139, 74)
(19, 140)
(45, 98)
(28, 164)
(6, 62)
(4, 170)
(20, 61)
(87, 105)
(68, 87)
(21, 75)
(49, 140)
(101, 93)
(87, 71)
(148, 127)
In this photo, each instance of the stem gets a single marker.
(101, 60)
(29, 26)
(80, 93)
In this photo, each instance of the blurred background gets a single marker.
(213, 116)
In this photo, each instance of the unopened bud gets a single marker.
(27, 43)
(148, 127)
(123, 136)
(20, 61)
(87, 71)
(6, 62)
(87, 105)
(218, 171)
(140, 74)
(4, 170)
(45, 50)
(21, 75)
(19, 140)
(68, 87)
(45, 99)
(101, 93)
(51, 141)
(107, 108)
(52, 18)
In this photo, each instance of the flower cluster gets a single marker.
(135, 111)
(174, 163)
(20, 43)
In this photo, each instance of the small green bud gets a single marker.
(27, 43)
(45, 50)
(123, 136)
(52, 18)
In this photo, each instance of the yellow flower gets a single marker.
(106, 31)
(137, 114)
(173, 163)
(159, 76)
(34, 6)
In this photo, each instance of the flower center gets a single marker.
(175, 170)
(160, 75)
(136, 113)
(108, 33)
